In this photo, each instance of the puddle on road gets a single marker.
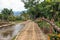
(7, 33)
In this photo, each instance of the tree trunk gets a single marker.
(53, 25)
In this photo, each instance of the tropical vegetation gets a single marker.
(46, 14)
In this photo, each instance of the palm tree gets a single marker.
(6, 13)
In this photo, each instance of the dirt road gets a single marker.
(31, 31)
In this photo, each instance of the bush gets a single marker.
(54, 37)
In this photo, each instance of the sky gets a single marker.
(15, 5)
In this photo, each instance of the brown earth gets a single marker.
(31, 31)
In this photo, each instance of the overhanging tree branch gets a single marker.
(53, 25)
